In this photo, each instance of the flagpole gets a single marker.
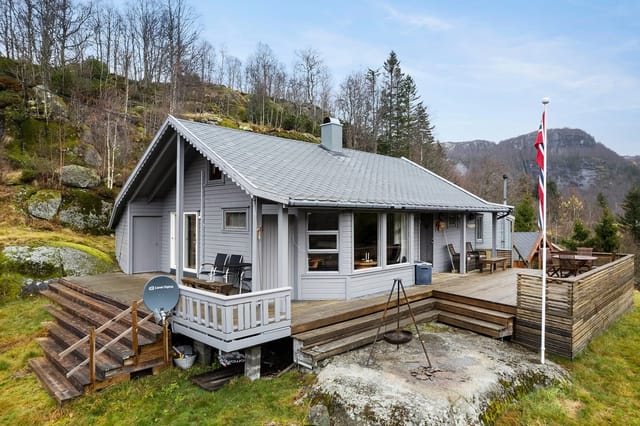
(545, 101)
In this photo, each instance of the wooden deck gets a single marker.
(499, 288)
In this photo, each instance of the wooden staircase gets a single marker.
(95, 342)
(340, 333)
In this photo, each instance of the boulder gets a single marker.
(94, 220)
(44, 204)
(47, 261)
(91, 155)
(79, 176)
(318, 416)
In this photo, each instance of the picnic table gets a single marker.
(492, 262)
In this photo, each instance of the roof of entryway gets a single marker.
(296, 173)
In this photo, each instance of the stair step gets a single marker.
(51, 350)
(357, 325)
(331, 348)
(81, 328)
(149, 329)
(94, 318)
(484, 314)
(476, 325)
(54, 382)
(64, 338)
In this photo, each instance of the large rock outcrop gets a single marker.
(79, 176)
(44, 204)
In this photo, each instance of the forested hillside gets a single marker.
(87, 84)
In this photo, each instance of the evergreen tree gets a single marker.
(580, 236)
(606, 230)
(525, 214)
(631, 217)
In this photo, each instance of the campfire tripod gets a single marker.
(398, 336)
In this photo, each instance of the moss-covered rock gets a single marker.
(79, 176)
(44, 204)
(85, 211)
(47, 262)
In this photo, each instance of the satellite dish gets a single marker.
(161, 295)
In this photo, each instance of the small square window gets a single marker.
(235, 220)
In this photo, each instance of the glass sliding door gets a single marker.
(189, 243)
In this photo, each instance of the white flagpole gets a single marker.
(545, 101)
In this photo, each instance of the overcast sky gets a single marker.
(481, 67)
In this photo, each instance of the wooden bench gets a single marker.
(493, 262)
(214, 286)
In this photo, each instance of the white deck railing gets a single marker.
(235, 322)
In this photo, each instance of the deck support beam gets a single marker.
(252, 360)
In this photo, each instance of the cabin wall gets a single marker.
(209, 199)
(122, 242)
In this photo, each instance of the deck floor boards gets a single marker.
(499, 287)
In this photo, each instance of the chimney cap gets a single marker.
(330, 120)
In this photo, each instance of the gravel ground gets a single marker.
(467, 373)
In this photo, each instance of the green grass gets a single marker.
(605, 383)
(605, 387)
(167, 398)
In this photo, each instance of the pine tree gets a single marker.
(606, 230)
(525, 214)
(631, 217)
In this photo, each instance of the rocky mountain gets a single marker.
(576, 162)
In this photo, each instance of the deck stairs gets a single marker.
(339, 333)
(76, 311)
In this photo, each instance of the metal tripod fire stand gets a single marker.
(398, 336)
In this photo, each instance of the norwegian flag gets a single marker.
(541, 146)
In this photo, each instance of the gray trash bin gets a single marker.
(423, 273)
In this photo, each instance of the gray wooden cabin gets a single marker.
(329, 222)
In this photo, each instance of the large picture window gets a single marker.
(322, 241)
(396, 238)
(365, 240)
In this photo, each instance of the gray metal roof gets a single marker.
(299, 173)
(524, 241)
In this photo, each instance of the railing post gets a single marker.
(92, 356)
(134, 330)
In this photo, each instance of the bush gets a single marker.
(10, 283)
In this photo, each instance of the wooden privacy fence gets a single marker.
(230, 323)
(577, 308)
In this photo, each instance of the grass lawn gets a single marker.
(606, 383)
(605, 390)
(167, 398)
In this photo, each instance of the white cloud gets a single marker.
(428, 22)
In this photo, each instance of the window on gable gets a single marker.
(215, 174)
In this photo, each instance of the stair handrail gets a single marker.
(100, 329)
(107, 346)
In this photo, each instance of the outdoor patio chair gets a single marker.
(477, 255)
(244, 284)
(585, 251)
(568, 266)
(553, 264)
(217, 268)
(455, 256)
(233, 267)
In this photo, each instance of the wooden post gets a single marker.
(92, 356)
(165, 341)
(134, 330)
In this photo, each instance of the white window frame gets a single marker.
(172, 241)
(244, 228)
(479, 231)
(336, 250)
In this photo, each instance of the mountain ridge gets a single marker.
(576, 162)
